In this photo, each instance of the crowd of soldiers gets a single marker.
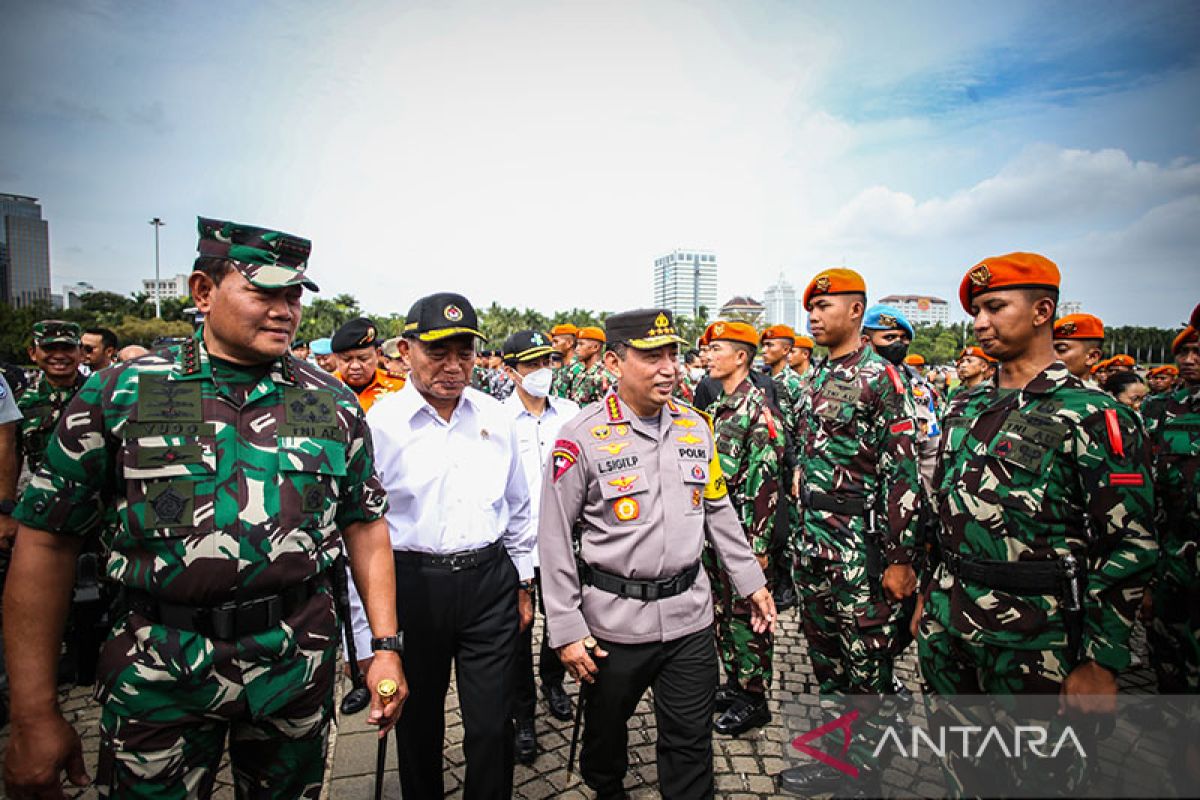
(1015, 521)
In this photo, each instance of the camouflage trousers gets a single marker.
(747, 657)
(950, 666)
(1174, 637)
(170, 698)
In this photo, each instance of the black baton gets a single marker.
(359, 697)
(584, 695)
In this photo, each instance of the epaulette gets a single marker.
(895, 376)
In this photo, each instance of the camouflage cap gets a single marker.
(268, 259)
(55, 331)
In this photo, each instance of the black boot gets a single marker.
(558, 701)
(726, 695)
(747, 712)
(525, 741)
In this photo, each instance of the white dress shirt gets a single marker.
(535, 439)
(451, 486)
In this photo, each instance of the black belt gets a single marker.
(849, 504)
(639, 590)
(1013, 577)
(227, 621)
(455, 562)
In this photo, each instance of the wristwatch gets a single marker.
(526, 585)
(392, 643)
(7, 507)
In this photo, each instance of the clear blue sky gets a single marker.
(544, 153)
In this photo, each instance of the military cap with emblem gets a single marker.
(526, 346)
(55, 331)
(1012, 271)
(642, 329)
(834, 281)
(804, 342)
(1079, 326)
(354, 334)
(565, 329)
(268, 259)
(592, 333)
(886, 318)
(1122, 360)
(778, 332)
(440, 316)
(296, 345)
(1166, 369)
(732, 331)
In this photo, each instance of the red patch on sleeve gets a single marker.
(901, 427)
(1115, 442)
(1126, 479)
(564, 456)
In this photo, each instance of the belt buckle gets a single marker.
(458, 562)
(224, 621)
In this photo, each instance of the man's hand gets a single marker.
(385, 665)
(899, 581)
(762, 562)
(38, 751)
(577, 661)
(762, 611)
(914, 624)
(1089, 689)
(1146, 610)
(8, 531)
(525, 608)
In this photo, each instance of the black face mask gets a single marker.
(894, 352)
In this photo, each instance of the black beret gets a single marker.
(354, 334)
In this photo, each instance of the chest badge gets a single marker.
(689, 438)
(627, 509)
(601, 432)
(624, 482)
(613, 449)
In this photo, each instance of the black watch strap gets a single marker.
(7, 507)
(392, 643)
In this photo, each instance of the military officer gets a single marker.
(1173, 423)
(1044, 498)
(1162, 380)
(562, 339)
(57, 354)
(859, 496)
(778, 341)
(355, 347)
(750, 443)
(636, 484)
(240, 475)
(1079, 343)
(974, 367)
(800, 358)
(589, 383)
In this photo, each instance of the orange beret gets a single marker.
(804, 342)
(834, 281)
(595, 334)
(779, 332)
(1013, 271)
(1195, 321)
(976, 351)
(915, 360)
(1079, 326)
(732, 332)
(1122, 361)
(566, 329)
(1169, 369)
(1186, 335)
(1096, 367)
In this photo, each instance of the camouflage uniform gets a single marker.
(589, 384)
(41, 405)
(230, 482)
(929, 432)
(1173, 421)
(499, 385)
(1034, 476)
(750, 447)
(789, 387)
(479, 377)
(564, 376)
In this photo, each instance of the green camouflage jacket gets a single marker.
(590, 384)
(41, 406)
(749, 442)
(1029, 475)
(1173, 422)
(479, 377)
(564, 377)
(788, 389)
(857, 440)
(216, 495)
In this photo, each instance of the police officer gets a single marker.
(1079, 343)
(750, 442)
(859, 498)
(1043, 493)
(355, 347)
(57, 354)
(240, 474)
(636, 484)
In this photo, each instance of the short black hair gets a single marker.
(107, 337)
(690, 356)
(1118, 382)
(214, 267)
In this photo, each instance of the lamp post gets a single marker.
(157, 223)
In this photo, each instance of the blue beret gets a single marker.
(321, 347)
(887, 318)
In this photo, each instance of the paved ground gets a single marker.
(745, 766)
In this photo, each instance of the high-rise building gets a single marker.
(782, 307)
(685, 281)
(920, 309)
(164, 288)
(24, 252)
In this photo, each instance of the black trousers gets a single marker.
(683, 673)
(550, 669)
(468, 618)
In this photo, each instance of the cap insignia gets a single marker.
(1067, 329)
(452, 313)
(887, 320)
(661, 321)
(981, 275)
(821, 284)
